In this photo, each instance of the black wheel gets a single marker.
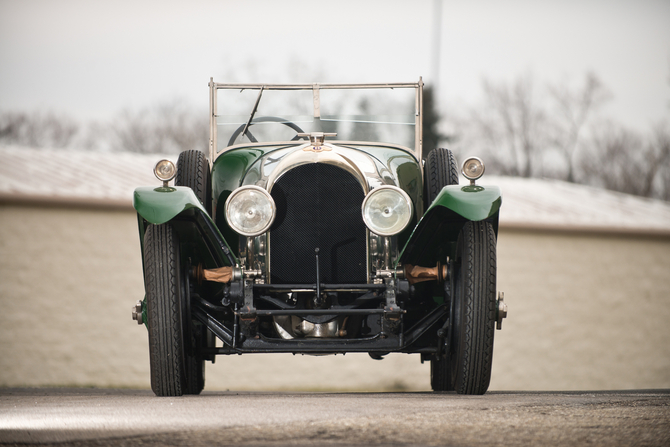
(264, 119)
(193, 171)
(440, 171)
(175, 367)
(466, 367)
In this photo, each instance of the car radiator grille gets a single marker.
(318, 205)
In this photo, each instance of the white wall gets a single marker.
(586, 312)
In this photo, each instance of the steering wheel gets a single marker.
(264, 119)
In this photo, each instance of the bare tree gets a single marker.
(165, 128)
(510, 128)
(616, 161)
(523, 132)
(38, 129)
(572, 109)
(625, 161)
(659, 183)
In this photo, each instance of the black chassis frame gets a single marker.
(391, 338)
(242, 293)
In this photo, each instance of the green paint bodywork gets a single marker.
(228, 173)
(400, 168)
(473, 202)
(159, 205)
(430, 240)
(180, 206)
(436, 235)
(246, 165)
(231, 168)
(242, 166)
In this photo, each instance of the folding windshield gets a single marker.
(370, 113)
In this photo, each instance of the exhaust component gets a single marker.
(223, 274)
(292, 326)
(415, 273)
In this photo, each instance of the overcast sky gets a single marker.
(93, 58)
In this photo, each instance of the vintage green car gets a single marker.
(315, 226)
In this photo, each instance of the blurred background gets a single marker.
(568, 103)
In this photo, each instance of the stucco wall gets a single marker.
(586, 312)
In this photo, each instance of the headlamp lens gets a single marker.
(387, 210)
(250, 210)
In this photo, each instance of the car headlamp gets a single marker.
(387, 210)
(473, 168)
(250, 210)
(165, 171)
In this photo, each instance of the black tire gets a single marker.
(474, 309)
(193, 171)
(466, 367)
(440, 170)
(175, 369)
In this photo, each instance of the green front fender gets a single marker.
(180, 206)
(472, 202)
(435, 236)
(159, 205)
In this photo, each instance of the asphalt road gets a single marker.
(97, 417)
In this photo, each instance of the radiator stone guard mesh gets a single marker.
(318, 205)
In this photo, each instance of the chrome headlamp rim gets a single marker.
(472, 178)
(236, 193)
(376, 191)
(157, 171)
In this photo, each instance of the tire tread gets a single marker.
(193, 171)
(163, 311)
(441, 171)
(479, 262)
